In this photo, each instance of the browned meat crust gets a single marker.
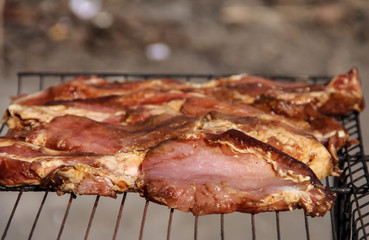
(79, 134)
(262, 179)
(241, 143)
(202, 173)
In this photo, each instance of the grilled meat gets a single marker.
(340, 96)
(241, 143)
(343, 91)
(79, 134)
(223, 173)
(22, 163)
(202, 173)
(115, 110)
(92, 87)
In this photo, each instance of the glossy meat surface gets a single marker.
(22, 163)
(92, 87)
(223, 173)
(340, 96)
(201, 172)
(283, 136)
(112, 109)
(304, 117)
(241, 143)
(343, 91)
(79, 134)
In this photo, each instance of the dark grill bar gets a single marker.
(253, 226)
(348, 220)
(91, 217)
(278, 226)
(38, 214)
(12, 214)
(143, 220)
(196, 227)
(65, 216)
(222, 226)
(307, 228)
(119, 216)
(170, 223)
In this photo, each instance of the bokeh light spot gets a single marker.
(157, 51)
(85, 9)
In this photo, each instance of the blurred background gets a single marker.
(269, 36)
(282, 37)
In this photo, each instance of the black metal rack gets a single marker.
(348, 220)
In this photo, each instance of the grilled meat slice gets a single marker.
(93, 87)
(114, 103)
(79, 134)
(221, 173)
(112, 109)
(325, 128)
(304, 117)
(283, 136)
(199, 106)
(201, 172)
(345, 95)
(343, 92)
(297, 101)
(22, 163)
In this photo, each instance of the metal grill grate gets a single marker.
(348, 220)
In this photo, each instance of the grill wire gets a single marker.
(349, 218)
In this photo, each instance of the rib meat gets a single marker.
(119, 110)
(111, 108)
(22, 163)
(202, 173)
(343, 92)
(137, 106)
(304, 118)
(283, 136)
(291, 136)
(241, 143)
(132, 102)
(93, 87)
(79, 134)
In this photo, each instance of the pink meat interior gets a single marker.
(197, 162)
